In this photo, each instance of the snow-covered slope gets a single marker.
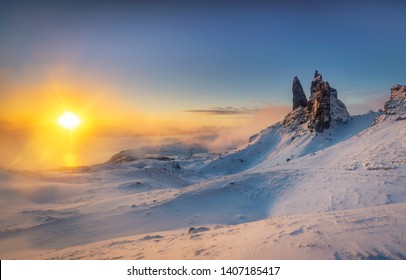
(369, 233)
(345, 186)
(279, 144)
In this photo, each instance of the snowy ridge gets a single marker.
(285, 141)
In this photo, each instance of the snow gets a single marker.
(339, 194)
(338, 110)
(370, 233)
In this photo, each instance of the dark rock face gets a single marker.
(299, 97)
(322, 108)
(315, 85)
(319, 109)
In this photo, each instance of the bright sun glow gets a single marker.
(69, 120)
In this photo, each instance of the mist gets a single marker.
(40, 147)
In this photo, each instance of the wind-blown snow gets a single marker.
(339, 194)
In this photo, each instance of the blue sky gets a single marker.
(190, 55)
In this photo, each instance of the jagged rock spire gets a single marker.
(319, 113)
(322, 109)
(299, 97)
(315, 84)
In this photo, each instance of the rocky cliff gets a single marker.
(395, 107)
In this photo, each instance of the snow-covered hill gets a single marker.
(344, 183)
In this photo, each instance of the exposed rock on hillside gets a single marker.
(322, 110)
(315, 85)
(294, 119)
(318, 108)
(395, 107)
(299, 97)
(338, 110)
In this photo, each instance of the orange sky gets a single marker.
(158, 69)
(32, 138)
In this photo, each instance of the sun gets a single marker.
(69, 120)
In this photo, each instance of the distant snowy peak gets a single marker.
(395, 107)
(320, 112)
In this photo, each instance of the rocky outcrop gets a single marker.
(315, 85)
(395, 107)
(322, 110)
(318, 109)
(299, 97)
(294, 119)
(338, 110)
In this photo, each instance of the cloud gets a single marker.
(221, 138)
(224, 111)
(32, 139)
